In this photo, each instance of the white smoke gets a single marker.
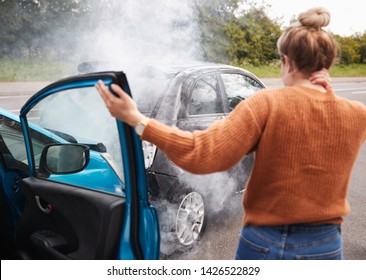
(216, 189)
(130, 34)
(134, 31)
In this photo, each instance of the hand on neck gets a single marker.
(298, 78)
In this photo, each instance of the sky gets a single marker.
(347, 16)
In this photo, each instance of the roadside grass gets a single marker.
(29, 71)
(351, 70)
(266, 71)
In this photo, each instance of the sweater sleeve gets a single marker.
(217, 148)
(361, 109)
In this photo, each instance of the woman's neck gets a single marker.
(297, 78)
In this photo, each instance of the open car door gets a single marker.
(85, 195)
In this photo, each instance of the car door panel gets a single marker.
(79, 223)
(9, 210)
(11, 199)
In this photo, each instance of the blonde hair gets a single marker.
(306, 44)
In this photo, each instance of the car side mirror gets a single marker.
(64, 159)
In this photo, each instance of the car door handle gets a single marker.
(45, 209)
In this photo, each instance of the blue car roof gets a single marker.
(38, 128)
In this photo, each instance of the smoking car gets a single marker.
(189, 95)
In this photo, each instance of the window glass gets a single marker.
(12, 144)
(238, 87)
(205, 97)
(79, 116)
(12, 140)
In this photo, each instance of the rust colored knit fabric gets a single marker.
(305, 142)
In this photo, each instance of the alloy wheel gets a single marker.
(190, 219)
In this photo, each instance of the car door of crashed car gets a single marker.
(86, 194)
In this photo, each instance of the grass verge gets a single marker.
(24, 71)
(352, 70)
(29, 71)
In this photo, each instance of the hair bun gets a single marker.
(315, 17)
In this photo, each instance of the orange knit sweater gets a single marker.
(305, 142)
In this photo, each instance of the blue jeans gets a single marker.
(290, 242)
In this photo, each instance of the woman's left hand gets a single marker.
(321, 78)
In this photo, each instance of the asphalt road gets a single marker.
(222, 230)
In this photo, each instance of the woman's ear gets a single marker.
(288, 63)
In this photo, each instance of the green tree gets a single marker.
(229, 31)
(232, 34)
(253, 37)
(362, 47)
(30, 27)
(15, 21)
(212, 18)
(349, 49)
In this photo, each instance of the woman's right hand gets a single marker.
(122, 106)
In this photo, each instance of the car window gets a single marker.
(12, 141)
(238, 87)
(13, 146)
(205, 98)
(78, 116)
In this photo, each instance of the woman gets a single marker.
(306, 141)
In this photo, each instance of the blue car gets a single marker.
(73, 185)
(102, 173)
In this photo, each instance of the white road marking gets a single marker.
(14, 96)
(348, 89)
